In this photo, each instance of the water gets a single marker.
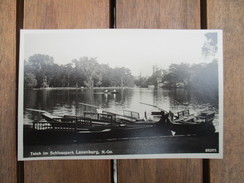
(68, 101)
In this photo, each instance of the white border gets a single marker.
(21, 97)
(146, 156)
(221, 92)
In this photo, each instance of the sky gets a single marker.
(138, 50)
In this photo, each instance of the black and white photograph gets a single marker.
(120, 94)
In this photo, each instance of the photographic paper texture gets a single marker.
(120, 94)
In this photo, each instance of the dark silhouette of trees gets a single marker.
(177, 74)
(205, 80)
(210, 48)
(40, 66)
(195, 76)
(42, 72)
(121, 76)
(141, 81)
(106, 75)
(30, 80)
(90, 68)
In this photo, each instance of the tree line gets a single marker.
(41, 72)
(183, 75)
(201, 78)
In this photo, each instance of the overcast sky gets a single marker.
(137, 50)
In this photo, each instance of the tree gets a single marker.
(122, 76)
(80, 72)
(156, 77)
(41, 66)
(106, 75)
(210, 48)
(90, 69)
(30, 80)
(207, 77)
(141, 81)
(44, 82)
(177, 73)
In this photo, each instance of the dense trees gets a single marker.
(90, 70)
(41, 66)
(194, 76)
(121, 76)
(205, 79)
(197, 76)
(30, 80)
(177, 75)
(42, 72)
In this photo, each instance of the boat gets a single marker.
(114, 91)
(110, 92)
(94, 126)
(127, 116)
(91, 126)
(93, 120)
(185, 123)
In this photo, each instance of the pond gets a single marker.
(71, 101)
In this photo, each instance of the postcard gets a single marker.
(120, 94)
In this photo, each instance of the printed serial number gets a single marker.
(210, 150)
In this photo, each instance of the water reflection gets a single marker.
(60, 102)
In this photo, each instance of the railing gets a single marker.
(68, 123)
(54, 126)
(99, 116)
(131, 114)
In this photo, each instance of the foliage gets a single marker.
(30, 80)
(141, 82)
(42, 67)
(196, 75)
(205, 80)
(90, 69)
(42, 72)
(121, 76)
(177, 73)
(210, 48)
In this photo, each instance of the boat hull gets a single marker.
(191, 129)
(35, 137)
(73, 129)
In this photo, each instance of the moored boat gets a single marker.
(186, 124)
(107, 126)
(71, 129)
